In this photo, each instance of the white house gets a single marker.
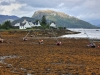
(25, 24)
(53, 25)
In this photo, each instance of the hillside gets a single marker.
(62, 19)
(7, 17)
(22, 19)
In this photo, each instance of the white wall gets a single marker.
(53, 25)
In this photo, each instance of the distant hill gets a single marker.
(3, 18)
(62, 19)
(98, 25)
(22, 19)
(95, 22)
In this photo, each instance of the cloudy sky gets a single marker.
(82, 9)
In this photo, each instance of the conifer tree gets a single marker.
(43, 21)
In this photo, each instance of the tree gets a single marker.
(0, 26)
(43, 21)
(6, 25)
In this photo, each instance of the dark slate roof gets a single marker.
(22, 24)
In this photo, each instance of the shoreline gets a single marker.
(31, 58)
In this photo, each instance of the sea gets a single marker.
(84, 33)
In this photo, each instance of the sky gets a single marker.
(87, 10)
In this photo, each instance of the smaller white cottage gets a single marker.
(53, 25)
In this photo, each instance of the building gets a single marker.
(26, 24)
(53, 25)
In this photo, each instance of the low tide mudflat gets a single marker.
(72, 57)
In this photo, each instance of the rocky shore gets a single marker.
(72, 57)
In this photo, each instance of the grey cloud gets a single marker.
(51, 3)
(5, 3)
(39, 3)
(83, 9)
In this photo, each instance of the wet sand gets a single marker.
(72, 57)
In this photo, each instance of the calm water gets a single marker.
(85, 33)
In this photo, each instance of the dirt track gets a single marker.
(72, 57)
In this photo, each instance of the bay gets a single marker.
(84, 33)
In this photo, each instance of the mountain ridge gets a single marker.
(62, 19)
(3, 18)
(51, 12)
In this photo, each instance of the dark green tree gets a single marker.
(0, 26)
(6, 25)
(43, 21)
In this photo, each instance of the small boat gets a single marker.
(97, 30)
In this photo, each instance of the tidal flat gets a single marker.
(72, 57)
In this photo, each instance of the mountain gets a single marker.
(3, 18)
(98, 25)
(95, 22)
(62, 19)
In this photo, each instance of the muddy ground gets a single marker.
(72, 57)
